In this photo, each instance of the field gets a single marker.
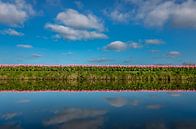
(42, 77)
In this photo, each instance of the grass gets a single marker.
(97, 77)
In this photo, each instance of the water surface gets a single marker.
(98, 110)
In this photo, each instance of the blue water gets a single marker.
(98, 110)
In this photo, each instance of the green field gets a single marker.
(96, 78)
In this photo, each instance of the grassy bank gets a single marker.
(97, 77)
(146, 73)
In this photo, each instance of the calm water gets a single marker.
(98, 110)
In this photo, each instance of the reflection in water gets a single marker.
(98, 110)
(96, 85)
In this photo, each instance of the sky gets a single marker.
(125, 32)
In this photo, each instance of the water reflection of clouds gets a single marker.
(121, 102)
(117, 102)
(95, 123)
(23, 101)
(10, 115)
(71, 117)
(175, 94)
(135, 102)
(10, 126)
(156, 125)
(154, 106)
(185, 124)
(191, 124)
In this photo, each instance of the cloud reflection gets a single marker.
(10, 115)
(10, 127)
(117, 102)
(84, 124)
(22, 101)
(156, 125)
(154, 106)
(185, 125)
(71, 114)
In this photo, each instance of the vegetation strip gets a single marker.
(80, 77)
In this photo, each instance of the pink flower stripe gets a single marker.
(93, 91)
(99, 66)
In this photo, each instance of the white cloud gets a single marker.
(73, 25)
(179, 14)
(15, 13)
(157, 13)
(75, 34)
(116, 46)
(134, 45)
(73, 18)
(36, 55)
(12, 32)
(118, 15)
(154, 41)
(24, 46)
(173, 54)
(100, 60)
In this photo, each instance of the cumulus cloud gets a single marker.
(10, 115)
(36, 55)
(118, 15)
(75, 34)
(134, 45)
(73, 18)
(72, 114)
(11, 32)
(100, 60)
(24, 46)
(73, 25)
(154, 41)
(173, 54)
(116, 46)
(120, 45)
(116, 102)
(15, 13)
(157, 13)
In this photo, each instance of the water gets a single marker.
(98, 110)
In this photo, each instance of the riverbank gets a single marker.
(83, 73)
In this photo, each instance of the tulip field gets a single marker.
(94, 77)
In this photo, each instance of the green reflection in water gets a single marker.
(95, 85)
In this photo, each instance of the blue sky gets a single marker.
(97, 32)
